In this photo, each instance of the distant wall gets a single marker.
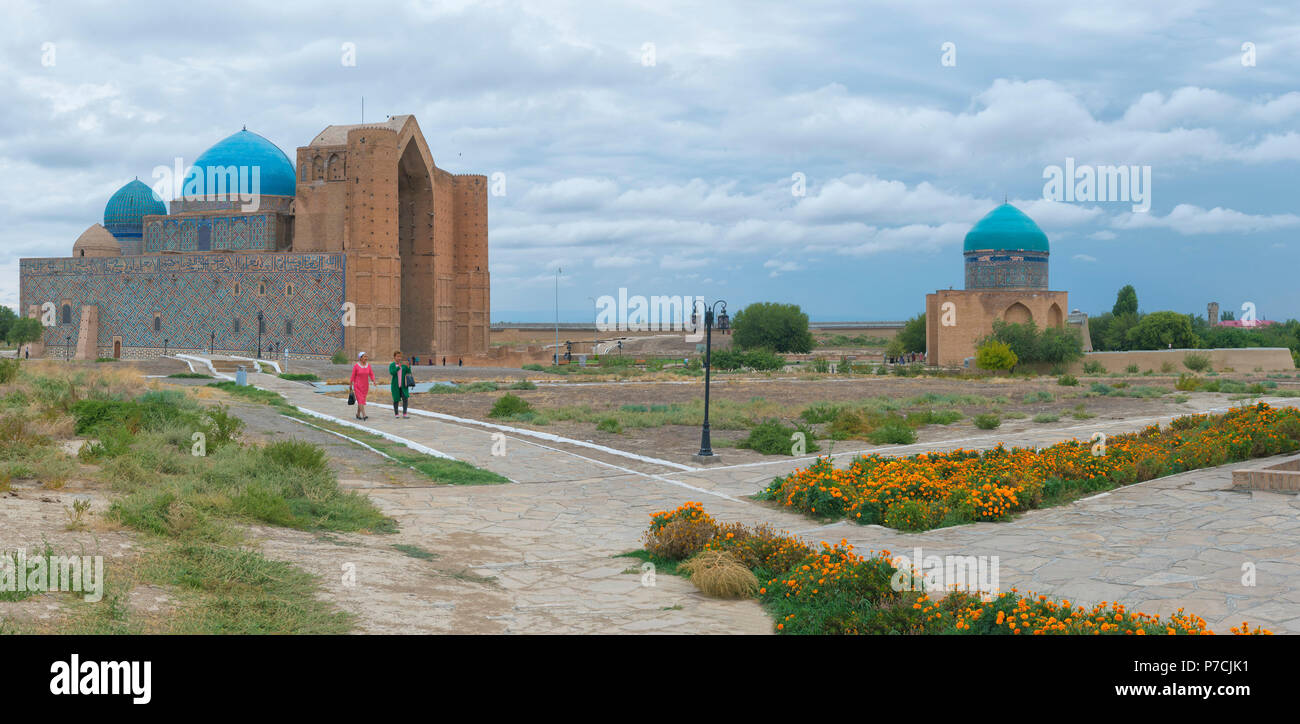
(1241, 360)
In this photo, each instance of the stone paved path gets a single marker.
(549, 538)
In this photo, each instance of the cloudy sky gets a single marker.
(831, 154)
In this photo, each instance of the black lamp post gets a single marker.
(165, 344)
(212, 340)
(724, 322)
(67, 349)
(259, 334)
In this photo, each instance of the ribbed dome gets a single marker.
(246, 150)
(1006, 228)
(127, 207)
(96, 241)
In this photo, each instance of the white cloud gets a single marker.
(1189, 219)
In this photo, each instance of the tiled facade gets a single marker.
(197, 299)
(1000, 270)
(242, 232)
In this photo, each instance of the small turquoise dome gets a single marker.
(1006, 228)
(245, 150)
(127, 207)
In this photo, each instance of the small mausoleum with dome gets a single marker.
(365, 244)
(1005, 256)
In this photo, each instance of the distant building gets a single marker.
(1006, 268)
(365, 245)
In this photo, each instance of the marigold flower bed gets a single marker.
(934, 489)
(833, 590)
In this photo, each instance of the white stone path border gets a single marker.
(556, 438)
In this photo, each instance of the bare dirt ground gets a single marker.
(789, 396)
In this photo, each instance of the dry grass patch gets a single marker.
(720, 575)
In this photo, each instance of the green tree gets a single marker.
(1161, 330)
(25, 330)
(1126, 301)
(995, 355)
(7, 318)
(895, 348)
(1031, 345)
(1059, 345)
(774, 326)
(912, 335)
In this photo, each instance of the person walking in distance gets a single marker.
(401, 376)
(362, 376)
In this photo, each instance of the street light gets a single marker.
(67, 349)
(259, 334)
(595, 324)
(557, 316)
(705, 455)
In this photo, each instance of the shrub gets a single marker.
(755, 359)
(994, 355)
(679, 534)
(298, 454)
(1187, 383)
(533, 367)
(1132, 369)
(523, 385)
(987, 421)
(509, 405)
(1196, 362)
(1094, 368)
(892, 433)
(339, 358)
(719, 574)
(610, 425)
(1166, 367)
(1046, 417)
(772, 437)
(1067, 381)
(819, 412)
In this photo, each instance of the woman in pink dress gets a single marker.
(362, 376)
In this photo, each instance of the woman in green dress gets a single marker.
(398, 370)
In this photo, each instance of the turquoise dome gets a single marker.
(1006, 228)
(127, 207)
(247, 150)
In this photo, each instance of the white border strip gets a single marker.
(207, 363)
(556, 438)
(387, 436)
(629, 471)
